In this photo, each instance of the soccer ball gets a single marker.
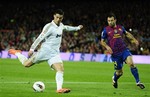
(38, 86)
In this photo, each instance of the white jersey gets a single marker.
(51, 36)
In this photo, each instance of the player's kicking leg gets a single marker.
(23, 59)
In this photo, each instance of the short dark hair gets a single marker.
(58, 11)
(111, 14)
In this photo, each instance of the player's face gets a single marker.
(111, 21)
(58, 18)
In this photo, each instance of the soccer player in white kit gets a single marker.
(50, 39)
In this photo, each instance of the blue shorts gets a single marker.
(120, 59)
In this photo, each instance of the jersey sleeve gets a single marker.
(104, 34)
(71, 28)
(45, 32)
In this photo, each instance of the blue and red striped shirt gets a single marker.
(114, 37)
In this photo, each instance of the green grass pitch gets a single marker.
(85, 79)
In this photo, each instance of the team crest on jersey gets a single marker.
(109, 32)
(58, 35)
(120, 29)
(115, 31)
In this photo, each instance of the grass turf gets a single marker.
(85, 79)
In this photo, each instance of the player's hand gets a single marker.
(109, 49)
(135, 42)
(30, 53)
(80, 26)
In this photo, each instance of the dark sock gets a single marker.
(135, 74)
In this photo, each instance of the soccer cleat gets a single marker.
(114, 83)
(63, 90)
(13, 51)
(141, 85)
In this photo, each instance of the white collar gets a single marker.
(55, 24)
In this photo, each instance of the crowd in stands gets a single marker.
(21, 23)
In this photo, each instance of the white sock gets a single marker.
(59, 79)
(21, 57)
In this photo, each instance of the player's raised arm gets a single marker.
(71, 28)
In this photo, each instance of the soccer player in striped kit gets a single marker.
(112, 40)
(50, 39)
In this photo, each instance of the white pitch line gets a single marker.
(70, 82)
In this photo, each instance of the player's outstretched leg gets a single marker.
(13, 51)
(21, 57)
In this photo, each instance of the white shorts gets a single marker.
(52, 56)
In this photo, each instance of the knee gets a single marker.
(132, 65)
(119, 73)
(58, 67)
(27, 64)
(129, 61)
(61, 69)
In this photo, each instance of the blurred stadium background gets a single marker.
(21, 22)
